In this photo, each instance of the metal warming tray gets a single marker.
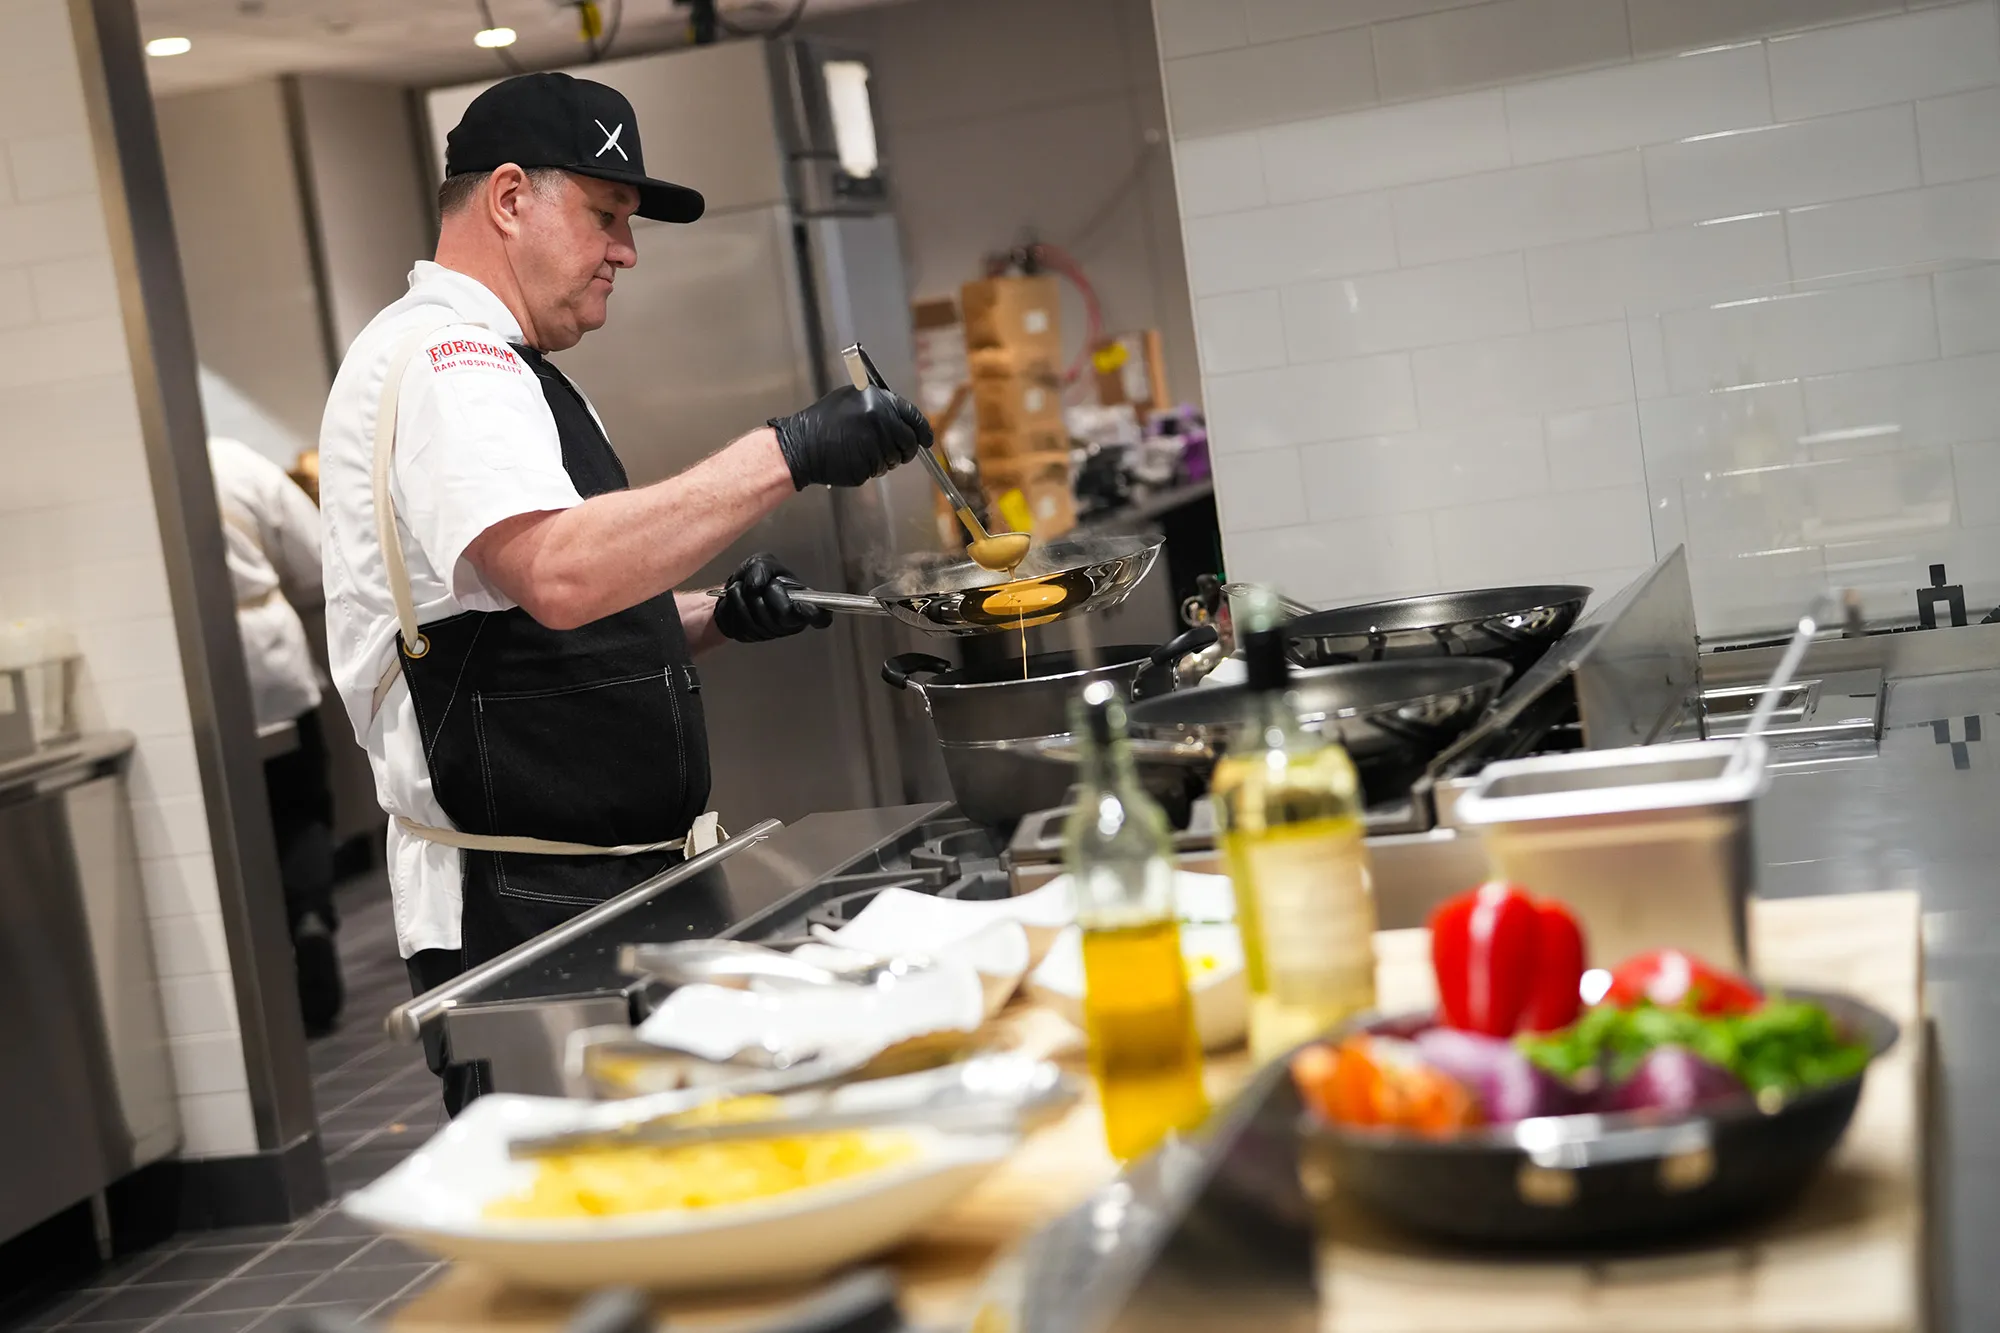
(1649, 846)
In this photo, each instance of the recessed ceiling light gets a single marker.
(492, 37)
(169, 46)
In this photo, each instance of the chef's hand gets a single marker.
(756, 604)
(850, 436)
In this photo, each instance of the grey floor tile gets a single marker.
(335, 1225)
(257, 1293)
(235, 1321)
(59, 1308)
(202, 1265)
(145, 1302)
(208, 1240)
(131, 1268)
(369, 1286)
(388, 1252)
(108, 1326)
(306, 1256)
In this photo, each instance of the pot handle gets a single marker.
(898, 669)
(1191, 640)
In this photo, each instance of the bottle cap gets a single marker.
(1262, 621)
(1099, 698)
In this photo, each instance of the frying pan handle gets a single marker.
(1290, 606)
(898, 669)
(852, 602)
(1623, 1145)
(1191, 640)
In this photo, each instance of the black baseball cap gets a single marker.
(554, 120)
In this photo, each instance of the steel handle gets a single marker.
(852, 602)
(406, 1022)
(1288, 605)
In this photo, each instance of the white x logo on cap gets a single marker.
(611, 140)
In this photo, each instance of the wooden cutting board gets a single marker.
(1847, 1259)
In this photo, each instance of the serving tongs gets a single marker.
(995, 1094)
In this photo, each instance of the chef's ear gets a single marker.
(507, 193)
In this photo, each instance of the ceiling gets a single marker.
(406, 41)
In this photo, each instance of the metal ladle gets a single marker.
(999, 552)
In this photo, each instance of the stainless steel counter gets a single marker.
(517, 1011)
(1925, 814)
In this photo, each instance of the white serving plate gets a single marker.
(1221, 997)
(998, 950)
(435, 1200)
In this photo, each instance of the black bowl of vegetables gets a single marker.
(1683, 1099)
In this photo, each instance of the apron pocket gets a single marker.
(602, 763)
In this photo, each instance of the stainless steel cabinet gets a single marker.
(88, 1086)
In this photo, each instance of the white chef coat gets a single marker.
(271, 533)
(475, 444)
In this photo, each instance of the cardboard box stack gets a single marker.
(1013, 340)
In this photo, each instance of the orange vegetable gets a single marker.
(1368, 1082)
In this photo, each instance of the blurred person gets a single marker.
(272, 535)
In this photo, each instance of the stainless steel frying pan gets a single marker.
(1058, 580)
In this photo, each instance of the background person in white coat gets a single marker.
(272, 533)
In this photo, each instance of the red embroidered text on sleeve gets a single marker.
(470, 354)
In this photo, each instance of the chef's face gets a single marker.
(576, 233)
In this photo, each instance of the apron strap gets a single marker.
(394, 568)
(705, 833)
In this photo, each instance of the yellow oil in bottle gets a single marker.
(1144, 1054)
(1288, 805)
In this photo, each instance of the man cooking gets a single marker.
(501, 608)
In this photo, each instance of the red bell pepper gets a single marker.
(1670, 979)
(1556, 997)
(1505, 961)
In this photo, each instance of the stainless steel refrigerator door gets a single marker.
(861, 294)
(706, 341)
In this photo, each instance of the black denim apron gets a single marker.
(592, 735)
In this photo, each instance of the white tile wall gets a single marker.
(1779, 166)
(1955, 135)
(1418, 310)
(1523, 206)
(1888, 60)
(1654, 101)
(79, 542)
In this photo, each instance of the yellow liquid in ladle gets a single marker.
(997, 551)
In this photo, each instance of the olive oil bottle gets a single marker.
(1288, 803)
(1144, 1054)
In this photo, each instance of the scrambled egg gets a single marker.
(612, 1182)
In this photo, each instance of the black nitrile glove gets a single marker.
(756, 604)
(850, 436)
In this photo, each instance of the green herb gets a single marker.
(1780, 1047)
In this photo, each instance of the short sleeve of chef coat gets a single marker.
(475, 444)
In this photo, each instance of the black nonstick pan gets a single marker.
(1591, 1180)
(1511, 625)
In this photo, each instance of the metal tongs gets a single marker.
(996, 1094)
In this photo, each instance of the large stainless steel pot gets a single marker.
(985, 716)
(1512, 625)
